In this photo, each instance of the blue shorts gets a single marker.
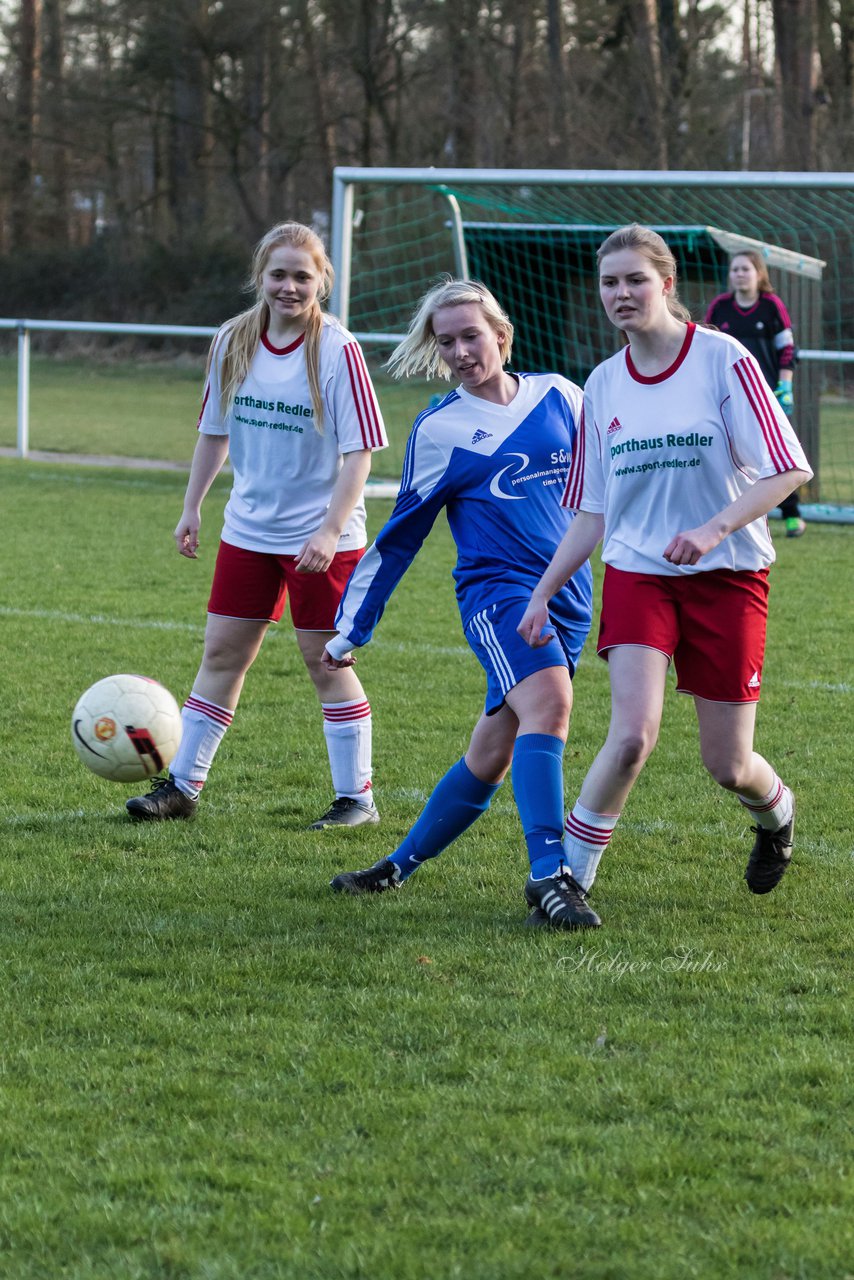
(505, 656)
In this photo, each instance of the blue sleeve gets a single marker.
(423, 493)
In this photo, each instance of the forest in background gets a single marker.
(145, 146)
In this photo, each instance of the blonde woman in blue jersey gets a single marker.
(494, 453)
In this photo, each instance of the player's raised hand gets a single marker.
(534, 619)
(187, 534)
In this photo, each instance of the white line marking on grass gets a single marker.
(390, 646)
(42, 819)
(195, 628)
(47, 819)
(823, 686)
(162, 485)
(100, 619)
(121, 462)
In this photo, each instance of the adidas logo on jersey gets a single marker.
(481, 435)
(753, 682)
(614, 425)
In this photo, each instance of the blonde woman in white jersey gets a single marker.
(288, 398)
(684, 450)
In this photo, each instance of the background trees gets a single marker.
(187, 123)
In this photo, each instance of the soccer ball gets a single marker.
(126, 728)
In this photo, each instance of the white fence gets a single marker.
(26, 327)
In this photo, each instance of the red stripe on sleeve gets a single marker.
(758, 394)
(575, 480)
(364, 399)
(785, 318)
(204, 405)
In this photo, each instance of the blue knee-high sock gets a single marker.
(457, 801)
(538, 788)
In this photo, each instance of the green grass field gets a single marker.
(215, 1069)
(149, 410)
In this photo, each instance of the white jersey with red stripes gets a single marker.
(660, 455)
(284, 470)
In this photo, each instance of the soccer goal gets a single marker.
(531, 236)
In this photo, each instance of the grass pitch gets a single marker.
(214, 1068)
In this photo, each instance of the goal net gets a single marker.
(531, 236)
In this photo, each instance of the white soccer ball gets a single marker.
(126, 728)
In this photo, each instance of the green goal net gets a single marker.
(531, 236)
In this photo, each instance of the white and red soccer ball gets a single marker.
(126, 728)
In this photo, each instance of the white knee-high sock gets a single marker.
(585, 838)
(775, 809)
(204, 726)
(348, 731)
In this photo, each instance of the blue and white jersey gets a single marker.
(500, 471)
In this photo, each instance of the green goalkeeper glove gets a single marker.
(785, 399)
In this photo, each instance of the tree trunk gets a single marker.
(837, 73)
(54, 156)
(794, 41)
(557, 81)
(186, 145)
(672, 79)
(23, 125)
(464, 105)
(643, 21)
(514, 147)
(256, 80)
(117, 181)
(323, 113)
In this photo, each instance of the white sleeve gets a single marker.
(762, 437)
(338, 647)
(210, 419)
(585, 484)
(351, 403)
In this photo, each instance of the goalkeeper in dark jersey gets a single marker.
(754, 315)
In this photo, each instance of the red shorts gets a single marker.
(711, 624)
(255, 584)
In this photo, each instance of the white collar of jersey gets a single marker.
(489, 406)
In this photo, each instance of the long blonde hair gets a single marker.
(419, 351)
(656, 251)
(238, 339)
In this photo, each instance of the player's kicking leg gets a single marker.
(458, 800)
